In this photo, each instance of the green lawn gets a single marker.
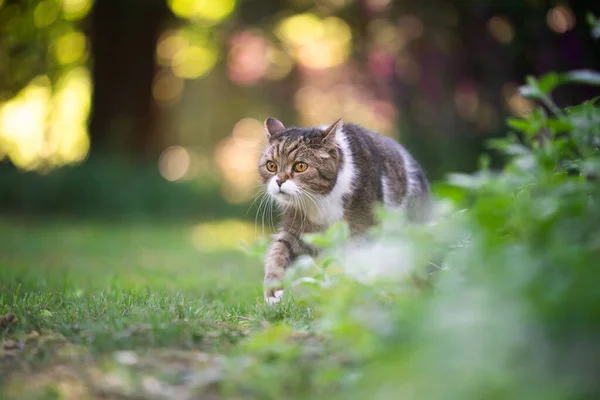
(125, 310)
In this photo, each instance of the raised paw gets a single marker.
(273, 296)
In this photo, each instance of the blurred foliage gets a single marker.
(187, 83)
(495, 298)
(111, 188)
(510, 312)
(44, 83)
(40, 38)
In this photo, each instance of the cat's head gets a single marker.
(297, 161)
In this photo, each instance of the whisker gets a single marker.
(256, 197)
(261, 204)
(271, 217)
(312, 197)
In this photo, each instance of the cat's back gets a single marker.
(387, 168)
(380, 151)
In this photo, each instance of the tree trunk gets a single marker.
(123, 38)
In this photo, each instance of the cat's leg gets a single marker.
(286, 247)
(360, 221)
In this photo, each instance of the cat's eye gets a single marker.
(300, 166)
(271, 166)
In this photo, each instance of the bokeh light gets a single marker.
(194, 61)
(517, 104)
(22, 123)
(280, 64)
(408, 70)
(377, 5)
(70, 47)
(237, 157)
(169, 43)
(466, 101)
(41, 128)
(411, 26)
(501, 29)
(381, 63)
(247, 60)
(319, 104)
(316, 43)
(386, 36)
(76, 9)
(166, 88)
(222, 235)
(174, 163)
(45, 13)
(560, 19)
(208, 11)
(68, 140)
(252, 58)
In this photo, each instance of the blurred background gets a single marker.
(154, 108)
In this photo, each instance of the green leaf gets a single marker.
(549, 82)
(466, 181)
(532, 89)
(327, 262)
(445, 191)
(584, 76)
(522, 125)
(591, 19)
(594, 23)
(484, 162)
(307, 281)
(559, 126)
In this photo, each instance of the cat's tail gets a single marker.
(419, 205)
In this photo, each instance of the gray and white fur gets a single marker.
(321, 175)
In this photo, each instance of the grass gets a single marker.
(144, 300)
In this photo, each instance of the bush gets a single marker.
(111, 188)
(512, 311)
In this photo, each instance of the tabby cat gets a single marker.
(321, 175)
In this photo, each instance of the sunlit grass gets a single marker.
(82, 291)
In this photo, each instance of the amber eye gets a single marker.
(271, 166)
(300, 166)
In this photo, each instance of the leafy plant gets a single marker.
(511, 311)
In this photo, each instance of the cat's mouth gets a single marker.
(282, 196)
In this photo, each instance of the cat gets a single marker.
(321, 175)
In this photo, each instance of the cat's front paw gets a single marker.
(273, 289)
(273, 296)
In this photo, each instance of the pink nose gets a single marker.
(280, 181)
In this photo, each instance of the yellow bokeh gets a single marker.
(316, 43)
(280, 64)
(194, 61)
(23, 121)
(168, 45)
(40, 128)
(174, 163)
(45, 13)
(76, 9)
(166, 88)
(70, 48)
(301, 29)
(211, 11)
(237, 157)
(222, 235)
(68, 139)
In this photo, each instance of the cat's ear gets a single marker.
(272, 127)
(329, 134)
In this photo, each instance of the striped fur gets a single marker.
(349, 170)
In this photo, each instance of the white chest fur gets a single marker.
(329, 209)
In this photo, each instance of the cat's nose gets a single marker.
(280, 181)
